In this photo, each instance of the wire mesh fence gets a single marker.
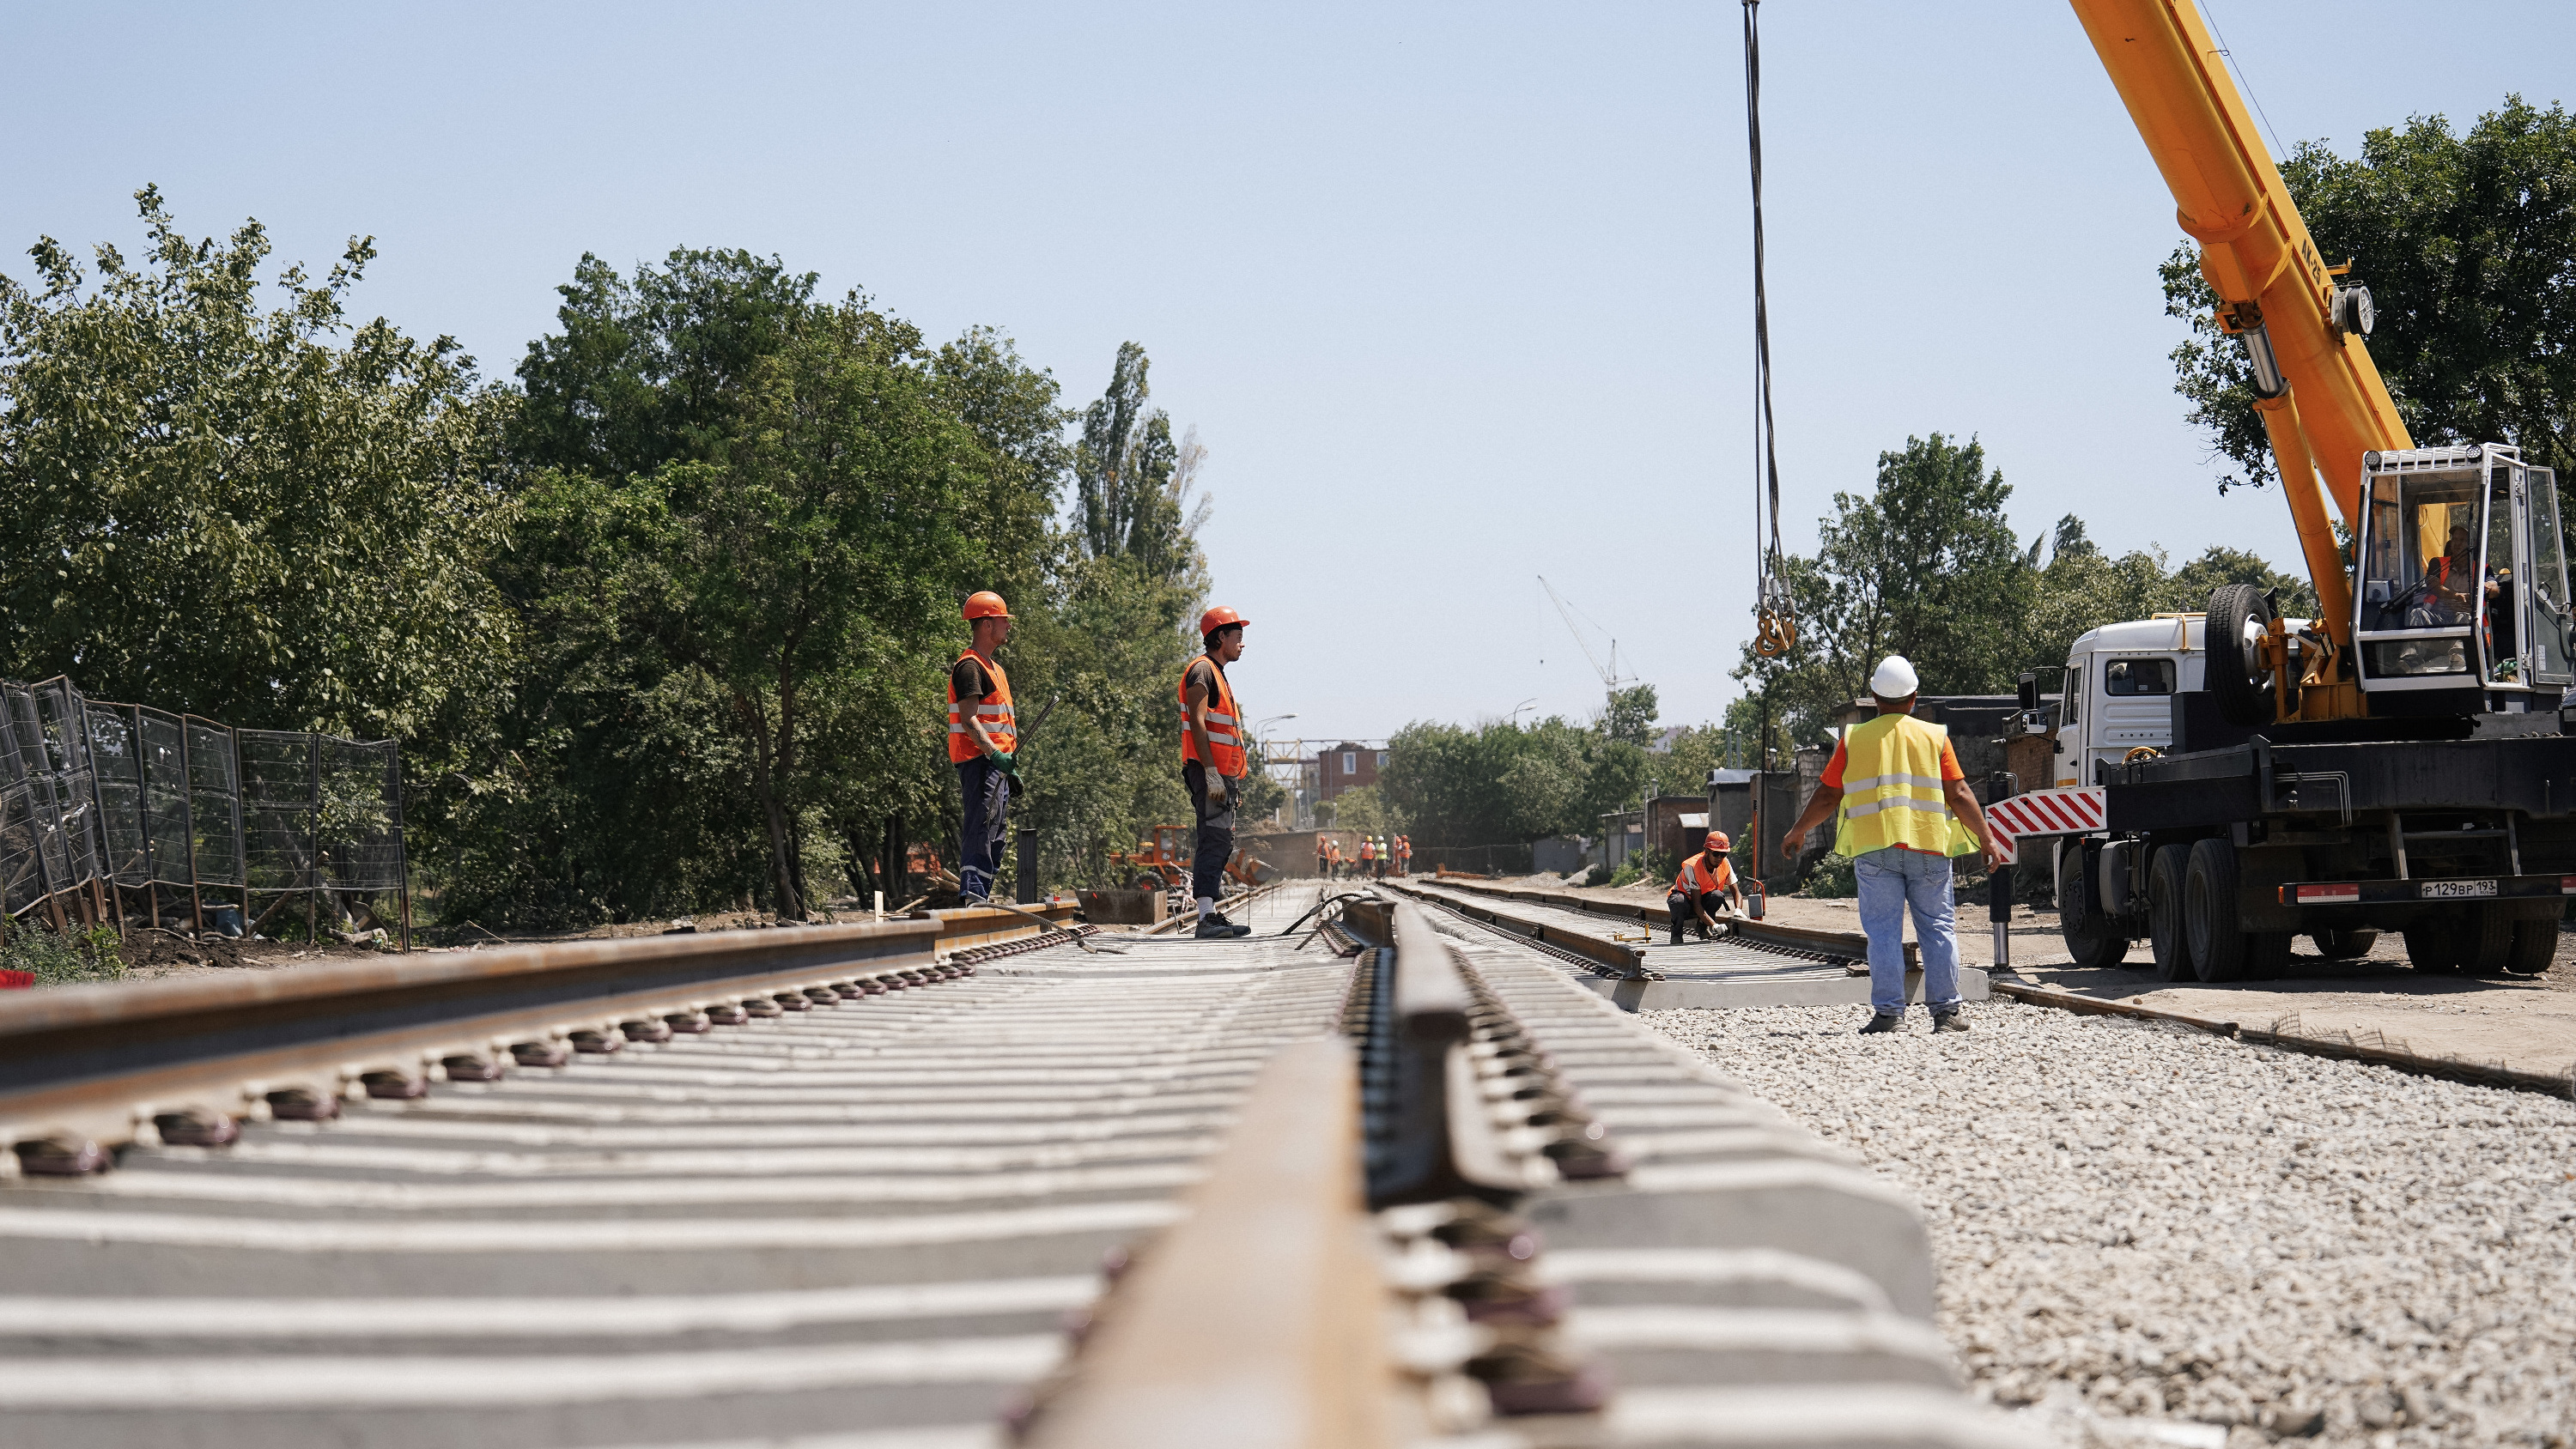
(108, 811)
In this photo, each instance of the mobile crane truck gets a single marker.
(2229, 781)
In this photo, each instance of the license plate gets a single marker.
(2455, 890)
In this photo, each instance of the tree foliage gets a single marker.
(2468, 245)
(265, 514)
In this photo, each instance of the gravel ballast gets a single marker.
(2152, 1235)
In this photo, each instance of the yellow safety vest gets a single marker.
(1892, 790)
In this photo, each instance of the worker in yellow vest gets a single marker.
(1705, 885)
(1905, 810)
(983, 743)
(1213, 762)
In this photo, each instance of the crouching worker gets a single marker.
(1705, 886)
(1213, 763)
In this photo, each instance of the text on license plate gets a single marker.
(2453, 890)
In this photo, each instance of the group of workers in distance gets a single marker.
(1902, 807)
(983, 743)
(1374, 858)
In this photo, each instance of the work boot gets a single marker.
(1215, 927)
(1677, 935)
(1878, 1023)
(1949, 1021)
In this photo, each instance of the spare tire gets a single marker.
(2238, 680)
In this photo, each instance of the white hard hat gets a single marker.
(1894, 679)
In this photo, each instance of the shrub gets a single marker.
(89, 955)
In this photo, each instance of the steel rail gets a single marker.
(1260, 1319)
(87, 1069)
(1837, 946)
(2415, 1063)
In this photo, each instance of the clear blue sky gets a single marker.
(1456, 295)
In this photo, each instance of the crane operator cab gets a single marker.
(2462, 605)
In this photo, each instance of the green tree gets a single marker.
(267, 515)
(1926, 566)
(2468, 244)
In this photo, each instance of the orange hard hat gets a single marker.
(985, 604)
(1217, 618)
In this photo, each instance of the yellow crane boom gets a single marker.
(2301, 324)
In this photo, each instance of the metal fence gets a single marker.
(113, 812)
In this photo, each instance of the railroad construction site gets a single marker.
(773, 874)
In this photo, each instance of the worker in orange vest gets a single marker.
(1705, 886)
(1404, 855)
(1332, 860)
(1323, 856)
(1368, 854)
(983, 743)
(1213, 762)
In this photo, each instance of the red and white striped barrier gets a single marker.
(2042, 812)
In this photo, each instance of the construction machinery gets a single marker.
(2228, 781)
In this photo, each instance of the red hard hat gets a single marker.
(985, 604)
(1217, 618)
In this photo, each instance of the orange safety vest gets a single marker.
(1696, 878)
(999, 722)
(1224, 724)
(1368, 850)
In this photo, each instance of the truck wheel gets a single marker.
(2267, 954)
(2209, 911)
(2165, 872)
(2434, 947)
(2239, 683)
(2092, 938)
(2344, 945)
(2535, 945)
(2487, 944)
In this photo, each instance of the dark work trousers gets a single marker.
(1686, 908)
(1216, 832)
(988, 816)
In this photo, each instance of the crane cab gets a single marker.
(2119, 688)
(2461, 604)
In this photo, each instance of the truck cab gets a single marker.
(2118, 694)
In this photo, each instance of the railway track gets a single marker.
(948, 1183)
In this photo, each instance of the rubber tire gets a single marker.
(2344, 945)
(2267, 954)
(2229, 672)
(1150, 883)
(2218, 943)
(2095, 940)
(2487, 944)
(2165, 872)
(2535, 945)
(2434, 947)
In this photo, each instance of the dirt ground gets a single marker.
(2526, 1024)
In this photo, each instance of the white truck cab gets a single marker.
(2119, 688)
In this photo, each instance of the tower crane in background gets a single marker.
(1610, 677)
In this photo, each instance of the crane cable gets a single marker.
(1775, 622)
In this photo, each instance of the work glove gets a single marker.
(1007, 762)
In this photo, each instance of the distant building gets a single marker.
(1347, 766)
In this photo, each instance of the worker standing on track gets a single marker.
(1323, 856)
(1905, 810)
(1213, 763)
(1705, 885)
(1404, 855)
(1368, 854)
(983, 743)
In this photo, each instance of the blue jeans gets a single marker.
(988, 815)
(1891, 880)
